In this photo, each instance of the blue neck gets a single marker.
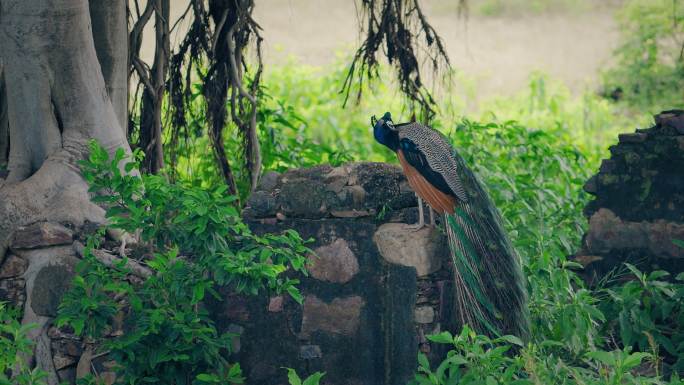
(386, 137)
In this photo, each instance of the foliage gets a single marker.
(526, 7)
(535, 179)
(474, 359)
(649, 74)
(294, 379)
(648, 312)
(196, 243)
(14, 342)
(531, 178)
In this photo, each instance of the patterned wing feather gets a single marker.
(433, 149)
(490, 294)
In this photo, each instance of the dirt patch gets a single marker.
(499, 52)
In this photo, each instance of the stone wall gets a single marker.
(639, 204)
(375, 288)
(34, 275)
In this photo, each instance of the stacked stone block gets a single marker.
(638, 211)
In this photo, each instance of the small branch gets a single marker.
(144, 77)
(135, 37)
(182, 17)
(217, 32)
(110, 260)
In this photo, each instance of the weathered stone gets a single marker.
(351, 190)
(51, 282)
(349, 213)
(268, 181)
(357, 194)
(424, 314)
(632, 138)
(236, 308)
(672, 118)
(309, 352)
(420, 249)
(607, 232)
(12, 291)
(275, 304)
(262, 204)
(607, 166)
(13, 266)
(41, 234)
(341, 316)
(61, 333)
(235, 344)
(591, 186)
(61, 361)
(400, 291)
(334, 262)
(67, 347)
(67, 375)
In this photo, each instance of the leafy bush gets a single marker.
(14, 342)
(294, 379)
(647, 313)
(535, 180)
(649, 74)
(474, 359)
(196, 243)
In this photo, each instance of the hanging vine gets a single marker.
(218, 37)
(398, 28)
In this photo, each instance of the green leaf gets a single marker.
(512, 339)
(634, 359)
(442, 338)
(292, 377)
(314, 379)
(678, 242)
(604, 357)
(423, 361)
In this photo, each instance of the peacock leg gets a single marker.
(421, 219)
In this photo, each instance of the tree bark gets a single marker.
(110, 33)
(153, 94)
(4, 125)
(56, 101)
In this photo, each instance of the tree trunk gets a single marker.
(4, 126)
(56, 102)
(110, 33)
(152, 98)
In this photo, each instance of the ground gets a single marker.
(498, 51)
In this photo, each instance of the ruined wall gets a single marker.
(375, 289)
(639, 204)
(34, 275)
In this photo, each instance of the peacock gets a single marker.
(490, 296)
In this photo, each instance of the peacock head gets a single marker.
(384, 131)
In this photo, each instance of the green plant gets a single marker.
(294, 379)
(474, 359)
(649, 74)
(195, 243)
(14, 343)
(536, 181)
(647, 312)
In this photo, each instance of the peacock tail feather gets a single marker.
(489, 291)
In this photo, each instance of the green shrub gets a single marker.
(14, 343)
(196, 242)
(294, 379)
(647, 312)
(649, 74)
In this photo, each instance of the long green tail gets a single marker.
(490, 295)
